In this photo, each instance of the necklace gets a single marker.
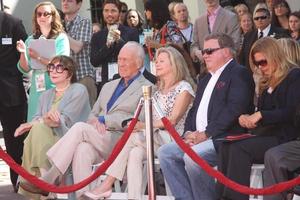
(62, 89)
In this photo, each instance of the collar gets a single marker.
(75, 19)
(130, 80)
(265, 31)
(214, 12)
(221, 69)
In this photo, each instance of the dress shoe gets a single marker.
(29, 187)
(98, 196)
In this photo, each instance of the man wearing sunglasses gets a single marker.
(222, 96)
(79, 31)
(263, 28)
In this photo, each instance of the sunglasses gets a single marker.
(59, 68)
(44, 14)
(260, 17)
(209, 51)
(123, 11)
(262, 63)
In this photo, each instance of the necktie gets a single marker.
(261, 34)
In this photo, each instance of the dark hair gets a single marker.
(159, 11)
(139, 26)
(68, 63)
(78, 1)
(224, 40)
(274, 17)
(116, 2)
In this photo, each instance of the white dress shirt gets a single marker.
(201, 118)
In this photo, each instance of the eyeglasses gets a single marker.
(260, 17)
(59, 68)
(262, 63)
(44, 14)
(209, 51)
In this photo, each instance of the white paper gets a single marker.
(112, 70)
(45, 49)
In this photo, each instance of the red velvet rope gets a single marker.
(67, 189)
(283, 186)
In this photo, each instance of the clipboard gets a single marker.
(46, 49)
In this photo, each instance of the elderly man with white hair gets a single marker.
(91, 142)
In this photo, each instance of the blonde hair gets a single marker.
(56, 25)
(180, 68)
(291, 48)
(270, 48)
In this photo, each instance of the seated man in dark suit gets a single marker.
(222, 95)
(263, 28)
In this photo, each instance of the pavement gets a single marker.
(6, 189)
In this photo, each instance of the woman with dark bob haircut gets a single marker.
(58, 109)
(272, 124)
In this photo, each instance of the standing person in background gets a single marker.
(106, 44)
(216, 19)
(281, 12)
(164, 29)
(123, 11)
(263, 28)
(79, 32)
(13, 104)
(46, 25)
(181, 16)
(294, 24)
(241, 8)
(134, 19)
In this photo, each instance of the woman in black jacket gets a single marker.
(273, 123)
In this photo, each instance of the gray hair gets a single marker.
(138, 48)
(224, 40)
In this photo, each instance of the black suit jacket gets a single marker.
(282, 109)
(231, 97)
(101, 55)
(11, 83)
(251, 37)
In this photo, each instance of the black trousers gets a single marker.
(236, 159)
(11, 118)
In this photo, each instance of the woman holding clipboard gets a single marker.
(46, 25)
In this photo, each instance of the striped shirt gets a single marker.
(80, 29)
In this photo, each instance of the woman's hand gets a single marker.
(52, 118)
(33, 54)
(21, 47)
(152, 43)
(23, 128)
(250, 121)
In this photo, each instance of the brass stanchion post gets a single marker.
(147, 90)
